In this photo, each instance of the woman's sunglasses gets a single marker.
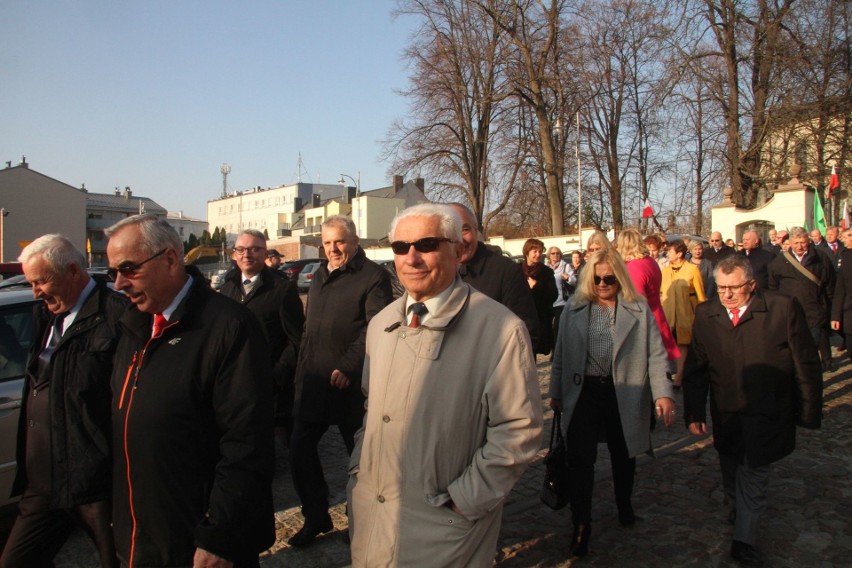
(609, 280)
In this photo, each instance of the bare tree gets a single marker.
(458, 86)
(535, 32)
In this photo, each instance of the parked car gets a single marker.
(16, 337)
(292, 268)
(306, 276)
(8, 269)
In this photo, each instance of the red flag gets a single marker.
(834, 181)
(648, 211)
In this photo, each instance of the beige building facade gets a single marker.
(33, 204)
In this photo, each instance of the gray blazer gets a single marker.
(638, 367)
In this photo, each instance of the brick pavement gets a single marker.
(678, 497)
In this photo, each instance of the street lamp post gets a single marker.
(355, 218)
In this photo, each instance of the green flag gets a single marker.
(819, 215)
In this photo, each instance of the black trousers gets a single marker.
(308, 477)
(596, 412)
(39, 533)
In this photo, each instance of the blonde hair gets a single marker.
(599, 238)
(696, 243)
(631, 246)
(585, 292)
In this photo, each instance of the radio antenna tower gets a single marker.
(225, 169)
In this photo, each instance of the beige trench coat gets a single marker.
(453, 412)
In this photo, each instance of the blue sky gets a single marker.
(156, 95)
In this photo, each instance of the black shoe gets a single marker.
(580, 542)
(626, 516)
(746, 554)
(828, 366)
(308, 533)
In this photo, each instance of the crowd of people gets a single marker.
(151, 412)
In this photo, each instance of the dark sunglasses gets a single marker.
(609, 280)
(128, 270)
(426, 244)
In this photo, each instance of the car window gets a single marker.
(16, 337)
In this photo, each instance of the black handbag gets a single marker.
(554, 490)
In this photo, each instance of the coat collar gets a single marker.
(626, 318)
(445, 319)
(719, 313)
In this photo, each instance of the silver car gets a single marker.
(306, 276)
(16, 338)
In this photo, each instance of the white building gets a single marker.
(273, 210)
(186, 226)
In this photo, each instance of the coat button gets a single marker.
(381, 498)
(402, 335)
(385, 418)
(32, 423)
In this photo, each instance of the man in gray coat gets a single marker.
(453, 410)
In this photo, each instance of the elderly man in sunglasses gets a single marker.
(64, 453)
(192, 412)
(453, 410)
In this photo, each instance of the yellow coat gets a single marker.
(680, 291)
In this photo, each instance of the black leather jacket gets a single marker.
(80, 436)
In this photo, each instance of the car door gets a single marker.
(16, 336)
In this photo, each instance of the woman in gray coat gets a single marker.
(608, 371)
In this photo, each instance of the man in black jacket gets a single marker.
(832, 246)
(274, 301)
(807, 274)
(752, 351)
(718, 249)
(192, 412)
(344, 296)
(64, 459)
(758, 257)
(495, 275)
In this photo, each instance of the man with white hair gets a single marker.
(453, 410)
(64, 440)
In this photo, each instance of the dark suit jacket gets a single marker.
(815, 299)
(763, 377)
(503, 281)
(841, 308)
(834, 256)
(714, 257)
(759, 259)
(275, 303)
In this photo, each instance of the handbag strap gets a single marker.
(798, 266)
(556, 429)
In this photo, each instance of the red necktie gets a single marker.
(160, 322)
(833, 247)
(735, 316)
(418, 309)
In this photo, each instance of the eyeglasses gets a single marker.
(734, 289)
(240, 251)
(426, 244)
(556, 254)
(128, 269)
(609, 280)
